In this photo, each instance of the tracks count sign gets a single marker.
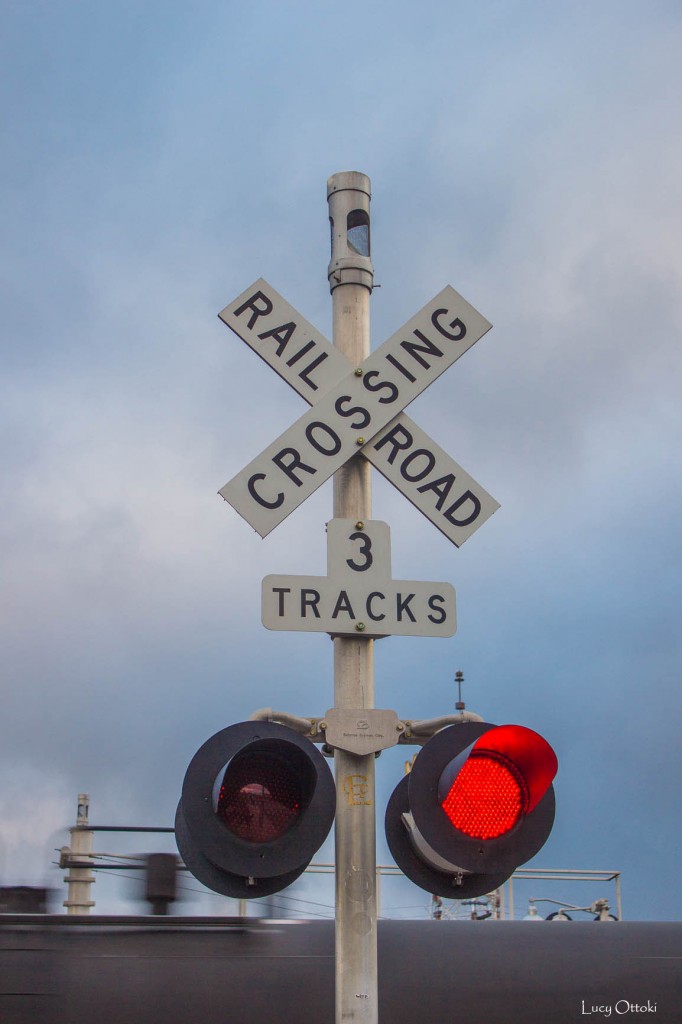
(358, 595)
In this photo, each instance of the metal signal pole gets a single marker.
(351, 278)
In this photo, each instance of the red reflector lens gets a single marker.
(260, 797)
(487, 797)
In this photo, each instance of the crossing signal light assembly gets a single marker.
(258, 801)
(477, 803)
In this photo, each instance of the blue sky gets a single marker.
(161, 157)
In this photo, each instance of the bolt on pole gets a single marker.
(351, 278)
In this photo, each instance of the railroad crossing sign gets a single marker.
(358, 595)
(357, 409)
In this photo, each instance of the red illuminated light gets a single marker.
(501, 777)
(487, 797)
(260, 797)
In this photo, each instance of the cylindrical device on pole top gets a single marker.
(351, 278)
(348, 195)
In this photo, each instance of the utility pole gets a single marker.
(80, 879)
(351, 278)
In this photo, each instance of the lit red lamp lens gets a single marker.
(486, 798)
(260, 797)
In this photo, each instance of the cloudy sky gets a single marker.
(159, 158)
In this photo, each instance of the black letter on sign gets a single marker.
(280, 601)
(441, 487)
(307, 370)
(338, 405)
(281, 335)
(399, 366)
(257, 497)
(456, 324)
(420, 474)
(370, 598)
(393, 392)
(413, 349)
(310, 599)
(440, 615)
(335, 439)
(403, 606)
(255, 311)
(295, 463)
(398, 445)
(343, 605)
(467, 496)
(299, 355)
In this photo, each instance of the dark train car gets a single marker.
(249, 971)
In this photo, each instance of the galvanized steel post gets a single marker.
(351, 278)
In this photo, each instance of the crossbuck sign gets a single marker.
(357, 408)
